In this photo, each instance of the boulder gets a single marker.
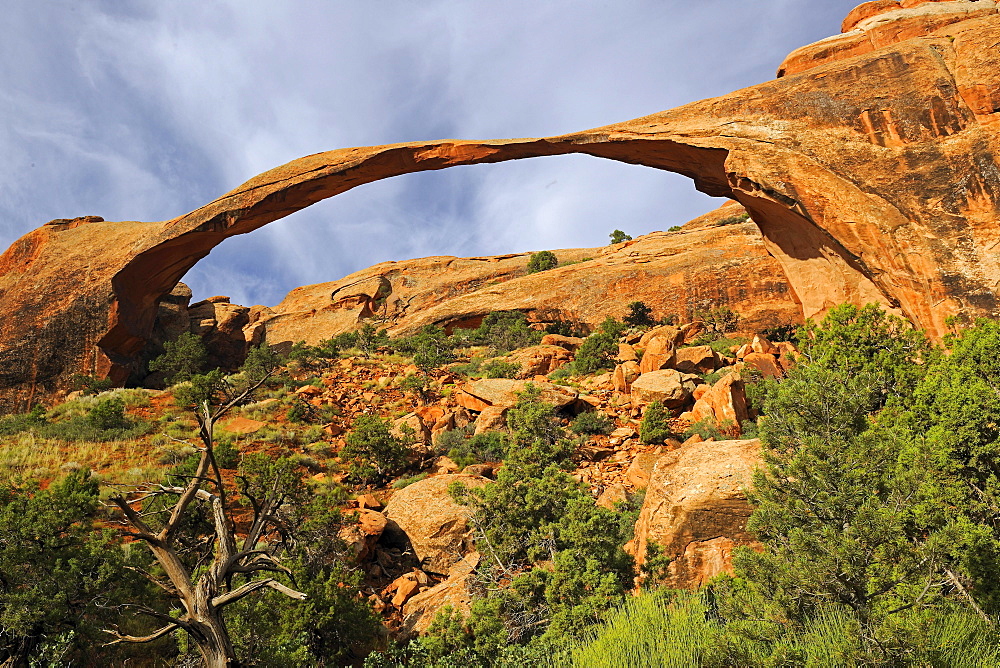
(220, 325)
(612, 496)
(766, 363)
(670, 386)
(659, 354)
(668, 332)
(570, 343)
(469, 402)
(759, 344)
(539, 360)
(641, 468)
(411, 422)
(724, 402)
(626, 353)
(695, 509)
(624, 375)
(492, 418)
(697, 360)
(362, 535)
(435, 525)
(419, 611)
(405, 587)
(504, 392)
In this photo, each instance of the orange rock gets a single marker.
(659, 354)
(624, 375)
(724, 403)
(242, 425)
(695, 509)
(362, 536)
(626, 353)
(406, 586)
(696, 359)
(670, 386)
(466, 400)
(430, 414)
(612, 496)
(669, 332)
(570, 343)
(435, 525)
(641, 468)
(766, 364)
(492, 418)
(454, 591)
(539, 360)
(759, 344)
(504, 391)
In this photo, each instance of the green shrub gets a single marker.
(373, 452)
(542, 261)
(591, 422)
(501, 369)
(566, 328)
(639, 315)
(406, 482)
(599, 349)
(431, 347)
(488, 446)
(655, 426)
(182, 358)
(198, 389)
(618, 236)
(90, 384)
(299, 412)
(706, 428)
(733, 220)
(674, 228)
(504, 331)
(109, 414)
(227, 455)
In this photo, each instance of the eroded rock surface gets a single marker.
(435, 525)
(871, 174)
(695, 509)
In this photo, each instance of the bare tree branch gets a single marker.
(159, 633)
(252, 586)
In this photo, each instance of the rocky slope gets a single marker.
(869, 168)
(716, 260)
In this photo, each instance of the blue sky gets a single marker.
(136, 110)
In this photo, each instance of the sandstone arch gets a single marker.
(872, 177)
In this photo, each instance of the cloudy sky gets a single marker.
(144, 110)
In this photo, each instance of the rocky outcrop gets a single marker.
(674, 273)
(454, 591)
(695, 509)
(871, 174)
(436, 526)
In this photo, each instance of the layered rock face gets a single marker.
(870, 172)
(717, 259)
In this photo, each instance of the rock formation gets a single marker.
(716, 259)
(695, 510)
(869, 167)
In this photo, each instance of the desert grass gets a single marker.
(29, 456)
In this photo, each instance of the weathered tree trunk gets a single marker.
(212, 639)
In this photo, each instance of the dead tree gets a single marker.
(252, 558)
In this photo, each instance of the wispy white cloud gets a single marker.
(145, 110)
